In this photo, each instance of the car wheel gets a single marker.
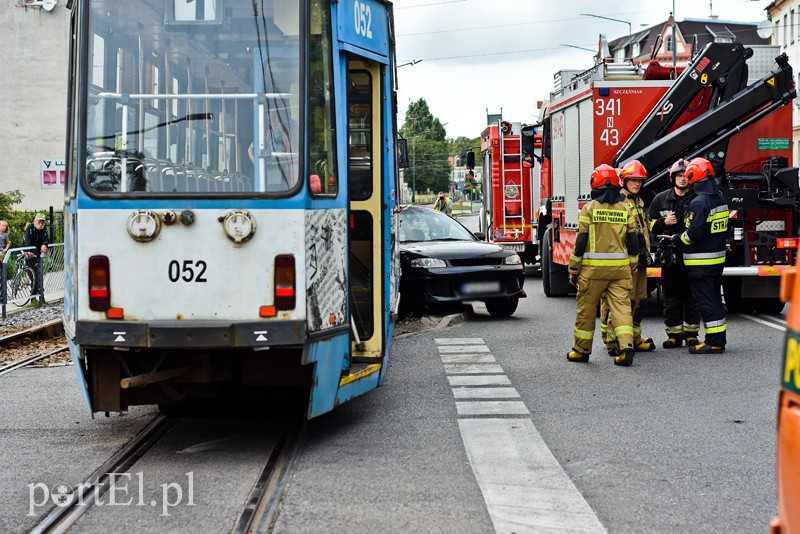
(767, 305)
(502, 307)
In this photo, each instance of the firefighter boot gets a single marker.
(691, 340)
(702, 348)
(577, 356)
(644, 344)
(625, 358)
(673, 342)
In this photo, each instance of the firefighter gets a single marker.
(667, 215)
(704, 247)
(606, 251)
(632, 177)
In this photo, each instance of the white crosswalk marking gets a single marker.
(460, 341)
(468, 358)
(447, 349)
(492, 408)
(480, 380)
(485, 393)
(525, 488)
(472, 368)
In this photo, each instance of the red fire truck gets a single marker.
(729, 105)
(510, 195)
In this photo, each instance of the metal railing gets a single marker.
(48, 270)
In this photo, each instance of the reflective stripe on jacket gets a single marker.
(607, 252)
(706, 235)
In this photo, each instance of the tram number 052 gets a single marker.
(188, 271)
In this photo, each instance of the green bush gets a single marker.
(17, 219)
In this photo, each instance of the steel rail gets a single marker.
(64, 516)
(260, 510)
(22, 362)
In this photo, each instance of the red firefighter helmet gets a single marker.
(605, 175)
(633, 169)
(698, 169)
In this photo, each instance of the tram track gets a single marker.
(261, 506)
(43, 338)
(256, 513)
(76, 504)
(43, 331)
(22, 362)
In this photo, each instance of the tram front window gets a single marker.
(194, 97)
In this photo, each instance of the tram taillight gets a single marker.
(99, 283)
(284, 282)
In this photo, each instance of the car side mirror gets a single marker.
(480, 235)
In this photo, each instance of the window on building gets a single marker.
(670, 44)
(778, 32)
(794, 25)
(785, 29)
(635, 50)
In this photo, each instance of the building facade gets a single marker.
(785, 17)
(34, 40)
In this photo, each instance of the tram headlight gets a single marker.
(239, 225)
(99, 283)
(144, 225)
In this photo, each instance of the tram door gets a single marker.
(365, 149)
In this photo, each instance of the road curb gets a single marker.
(450, 320)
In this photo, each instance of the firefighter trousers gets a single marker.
(637, 294)
(617, 294)
(680, 315)
(707, 296)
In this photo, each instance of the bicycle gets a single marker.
(21, 284)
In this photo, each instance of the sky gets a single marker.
(474, 55)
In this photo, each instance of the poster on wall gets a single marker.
(53, 172)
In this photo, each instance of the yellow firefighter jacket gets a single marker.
(640, 216)
(605, 247)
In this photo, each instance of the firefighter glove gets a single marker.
(573, 279)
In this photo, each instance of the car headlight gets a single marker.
(428, 263)
(514, 259)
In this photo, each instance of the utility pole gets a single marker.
(413, 171)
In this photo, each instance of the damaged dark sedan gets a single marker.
(444, 263)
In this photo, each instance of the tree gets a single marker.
(428, 149)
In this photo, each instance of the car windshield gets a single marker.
(419, 224)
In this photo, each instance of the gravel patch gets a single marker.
(30, 316)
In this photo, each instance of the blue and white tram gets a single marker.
(231, 196)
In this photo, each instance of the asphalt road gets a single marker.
(676, 443)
